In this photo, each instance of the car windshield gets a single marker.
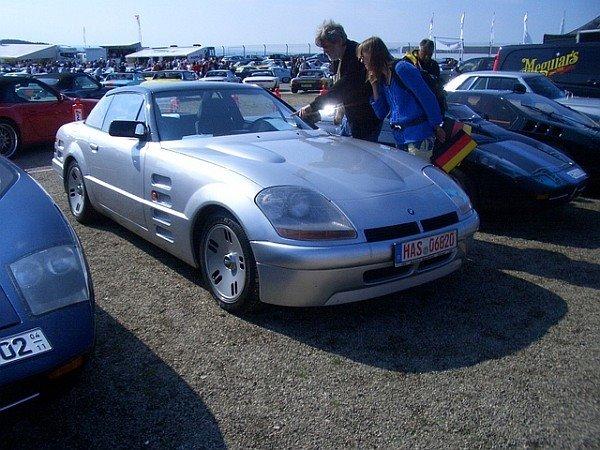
(310, 73)
(550, 109)
(169, 75)
(216, 73)
(120, 76)
(462, 112)
(543, 86)
(221, 112)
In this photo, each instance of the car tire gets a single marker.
(10, 139)
(294, 90)
(77, 196)
(227, 264)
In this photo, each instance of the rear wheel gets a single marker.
(228, 265)
(9, 139)
(79, 202)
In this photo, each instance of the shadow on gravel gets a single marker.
(477, 314)
(34, 156)
(126, 397)
(570, 225)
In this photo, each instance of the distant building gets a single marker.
(10, 53)
(169, 53)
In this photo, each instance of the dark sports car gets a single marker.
(508, 169)
(310, 80)
(78, 84)
(542, 119)
(46, 295)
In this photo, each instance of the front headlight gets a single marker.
(52, 278)
(450, 187)
(301, 214)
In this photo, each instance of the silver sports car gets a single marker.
(228, 179)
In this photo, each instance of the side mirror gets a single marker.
(128, 129)
(518, 88)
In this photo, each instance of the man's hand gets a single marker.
(305, 112)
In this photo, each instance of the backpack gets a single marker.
(431, 82)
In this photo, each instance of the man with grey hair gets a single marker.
(350, 89)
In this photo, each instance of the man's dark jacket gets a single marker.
(353, 91)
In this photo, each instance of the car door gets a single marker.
(116, 163)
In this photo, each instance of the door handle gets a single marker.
(94, 147)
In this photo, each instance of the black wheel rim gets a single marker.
(8, 140)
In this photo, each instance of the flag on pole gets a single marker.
(562, 23)
(462, 25)
(492, 29)
(526, 36)
(137, 19)
(431, 26)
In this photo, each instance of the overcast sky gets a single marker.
(236, 22)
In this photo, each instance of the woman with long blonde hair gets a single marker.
(400, 91)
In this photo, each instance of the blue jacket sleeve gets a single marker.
(413, 80)
(380, 106)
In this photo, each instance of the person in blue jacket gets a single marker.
(415, 116)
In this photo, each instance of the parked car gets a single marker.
(475, 64)
(245, 71)
(226, 178)
(542, 119)
(506, 170)
(264, 78)
(31, 112)
(46, 294)
(572, 66)
(532, 82)
(221, 75)
(174, 75)
(118, 79)
(79, 84)
(310, 80)
(284, 75)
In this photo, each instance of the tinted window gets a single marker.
(31, 91)
(50, 81)
(480, 83)
(494, 109)
(469, 66)
(123, 107)
(465, 84)
(501, 83)
(543, 86)
(189, 76)
(96, 117)
(84, 82)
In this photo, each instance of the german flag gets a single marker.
(456, 147)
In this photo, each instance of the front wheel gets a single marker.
(9, 139)
(79, 202)
(228, 265)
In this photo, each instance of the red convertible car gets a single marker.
(31, 112)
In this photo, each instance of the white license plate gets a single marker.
(405, 252)
(306, 84)
(24, 345)
(576, 173)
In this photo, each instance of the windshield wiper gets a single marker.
(553, 115)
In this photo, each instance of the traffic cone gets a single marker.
(277, 92)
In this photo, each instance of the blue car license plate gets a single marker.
(24, 345)
(406, 252)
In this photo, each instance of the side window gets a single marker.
(31, 91)
(123, 107)
(502, 83)
(141, 117)
(480, 83)
(84, 82)
(96, 117)
(465, 84)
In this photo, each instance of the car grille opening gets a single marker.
(442, 221)
(386, 273)
(435, 261)
(392, 232)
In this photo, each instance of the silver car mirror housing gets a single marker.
(128, 129)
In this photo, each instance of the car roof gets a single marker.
(157, 86)
(503, 73)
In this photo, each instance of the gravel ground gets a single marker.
(505, 352)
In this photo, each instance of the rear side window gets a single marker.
(501, 83)
(123, 107)
(96, 117)
(83, 82)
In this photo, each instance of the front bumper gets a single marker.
(315, 276)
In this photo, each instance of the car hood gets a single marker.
(265, 78)
(338, 167)
(213, 79)
(589, 106)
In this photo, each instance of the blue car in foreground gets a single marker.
(46, 294)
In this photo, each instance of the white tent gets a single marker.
(190, 53)
(21, 52)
